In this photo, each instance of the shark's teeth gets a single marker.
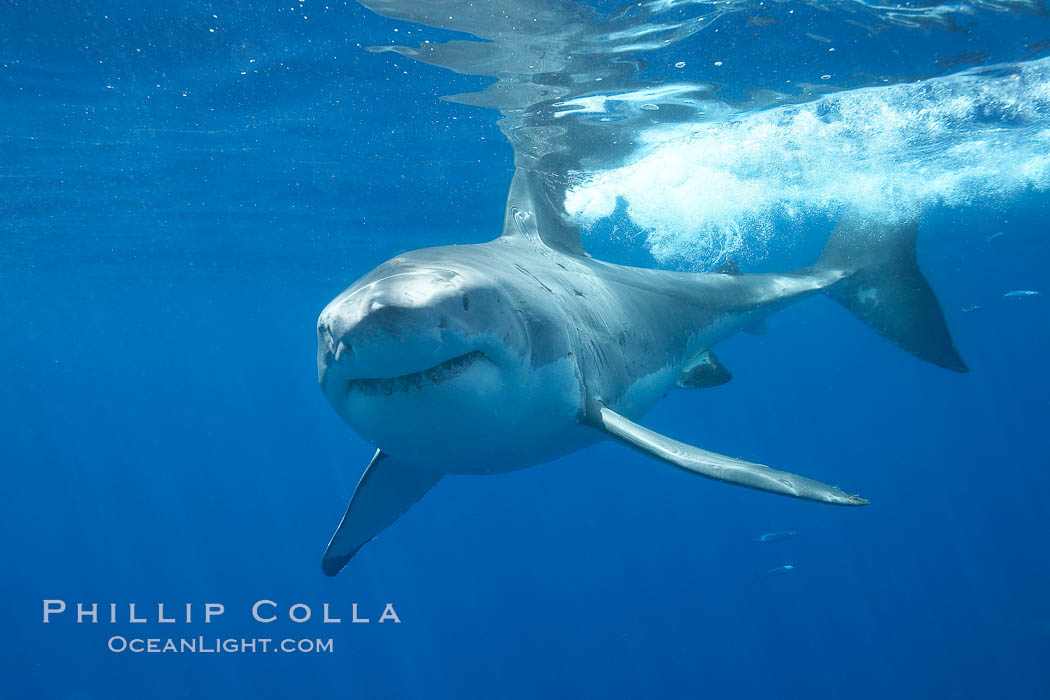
(448, 369)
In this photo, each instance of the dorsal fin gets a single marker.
(536, 211)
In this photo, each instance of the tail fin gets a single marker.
(885, 289)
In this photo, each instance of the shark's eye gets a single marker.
(466, 302)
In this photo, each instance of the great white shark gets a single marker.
(487, 358)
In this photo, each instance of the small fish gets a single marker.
(994, 236)
(760, 21)
(779, 571)
(974, 58)
(1037, 48)
(970, 309)
(1022, 293)
(776, 536)
(871, 30)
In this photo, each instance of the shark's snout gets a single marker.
(396, 325)
(395, 304)
(358, 324)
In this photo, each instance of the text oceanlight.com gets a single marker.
(204, 645)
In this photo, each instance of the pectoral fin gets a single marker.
(720, 467)
(386, 490)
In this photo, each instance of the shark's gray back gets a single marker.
(620, 325)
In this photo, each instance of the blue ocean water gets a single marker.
(185, 185)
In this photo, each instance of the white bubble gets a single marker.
(700, 191)
(680, 64)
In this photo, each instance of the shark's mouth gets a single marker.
(449, 369)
